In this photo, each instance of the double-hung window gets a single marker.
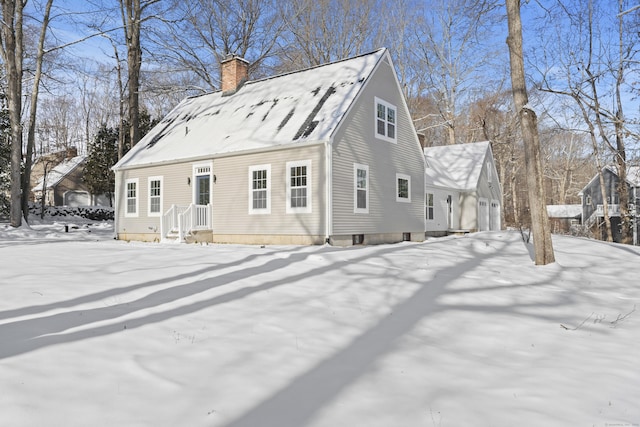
(155, 196)
(299, 187)
(429, 206)
(403, 188)
(386, 121)
(260, 189)
(360, 188)
(131, 207)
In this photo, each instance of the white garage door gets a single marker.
(495, 215)
(76, 198)
(483, 215)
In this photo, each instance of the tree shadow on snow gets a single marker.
(304, 396)
(298, 402)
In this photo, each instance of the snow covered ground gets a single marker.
(461, 331)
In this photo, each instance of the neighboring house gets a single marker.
(326, 154)
(563, 217)
(61, 176)
(593, 205)
(61, 182)
(463, 193)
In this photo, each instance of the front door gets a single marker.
(202, 184)
(203, 190)
(449, 212)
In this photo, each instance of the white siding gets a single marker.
(355, 142)
(440, 210)
(231, 194)
(176, 188)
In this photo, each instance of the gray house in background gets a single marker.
(323, 155)
(593, 205)
(462, 190)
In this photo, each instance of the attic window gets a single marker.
(386, 121)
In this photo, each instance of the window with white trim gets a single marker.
(403, 188)
(131, 197)
(360, 188)
(155, 196)
(386, 121)
(299, 187)
(429, 206)
(260, 189)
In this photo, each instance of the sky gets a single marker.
(453, 331)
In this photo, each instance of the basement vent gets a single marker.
(357, 239)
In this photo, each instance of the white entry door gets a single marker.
(449, 212)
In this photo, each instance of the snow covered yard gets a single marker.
(461, 331)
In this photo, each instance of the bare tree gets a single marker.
(595, 63)
(454, 55)
(322, 31)
(12, 57)
(494, 114)
(35, 91)
(567, 163)
(203, 32)
(133, 14)
(625, 55)
(541, 230)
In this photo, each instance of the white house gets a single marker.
(462, 190)
(326, 154)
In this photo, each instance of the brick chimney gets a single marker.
(234, 72)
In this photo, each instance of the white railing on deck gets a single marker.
(614, 210)
(185, 219)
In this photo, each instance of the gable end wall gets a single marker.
(355, 142)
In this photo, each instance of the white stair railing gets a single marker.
(169, 221)
(201, 217)
(185, 219)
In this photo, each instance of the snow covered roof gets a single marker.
(564, 211)
(633, 175)
(55, 175)
(303, 106)
(455, 166)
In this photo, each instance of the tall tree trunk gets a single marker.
(621, 156)
(543, 247)
(132, 19)
(31, 134)
(514, 193)
(121, 116)
(12, 55)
